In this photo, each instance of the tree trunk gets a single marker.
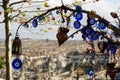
(8, 51)
(7, 40)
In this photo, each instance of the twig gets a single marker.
(33, 11)
(15, 16)
(31, 6)
(18, 2)
(26, 1)
(118, 20)
(63, 20)
(38, 1)
(21, 7)
(1, 22)
(75, 33)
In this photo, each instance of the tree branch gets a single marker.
(110, 26)
(33, 11)
(17, 2)
(38, 1)
(27, 1)
(19, 8)
(114, 28)
(15, 16)
(100, 33)
(2, 22)
(52, 9)
(109, 39)
(18, 13)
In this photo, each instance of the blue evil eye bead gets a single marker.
(84, 30)
(92, 21)
(78, 9)
(101, 25)
(65, 10)
(117, 76)
(77, 24)
(89, 31)
(50, 13)
(90, 37)
(26, 25)
(35, 23)
(90, 72)
(95, 36)
(83, 37)
(17, 64)
(57, 12)
(72, 36)
(79, 16)
(92, 54)
(113, 49)
(41, 18)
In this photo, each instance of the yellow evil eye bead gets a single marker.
(46, 4)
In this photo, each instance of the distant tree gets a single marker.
(47, 40)
(2, 62)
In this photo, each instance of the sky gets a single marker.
(103, 8)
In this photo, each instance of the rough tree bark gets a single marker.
(7, 40)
